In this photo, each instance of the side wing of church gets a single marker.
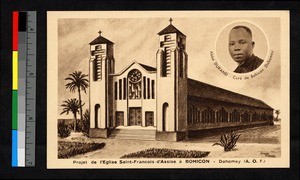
(161, 102)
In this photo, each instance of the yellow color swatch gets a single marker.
(15, 70)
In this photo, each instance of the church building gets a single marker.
(161, 102)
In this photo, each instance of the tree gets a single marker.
(78, 82)
(73, 106)
(277, 112)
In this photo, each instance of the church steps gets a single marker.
(136, 134)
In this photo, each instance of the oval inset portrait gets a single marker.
(242, 47)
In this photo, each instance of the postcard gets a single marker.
(168, 89)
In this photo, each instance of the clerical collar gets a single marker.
(247, 61)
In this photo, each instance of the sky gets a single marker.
(137, 39)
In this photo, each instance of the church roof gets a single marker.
(170, 29)
(148, 68)
(100, 40)
(203, 90)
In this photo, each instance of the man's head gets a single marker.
(240, 43)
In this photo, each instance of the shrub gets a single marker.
(228, 140)
(84, 125)
(167, 153)
(69, 149)
(63, 129)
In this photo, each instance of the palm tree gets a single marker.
(73, 106)
(78, 82)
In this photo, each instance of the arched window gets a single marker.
(225, 115)
(204, 116)
(189, 115)
(97, 115)
(148, 88)
(116, 90)
(198, 116)
(124, 88)
(194, 115)
(208, 115)
(218, 114)
(255, 116)
(153, 88)
(165, 115)
(246, 117)
(212, 116)
(120, 89)
(236, 115)
(264, 116)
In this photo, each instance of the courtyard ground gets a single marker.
(257, 142)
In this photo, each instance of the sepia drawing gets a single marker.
(152, 92)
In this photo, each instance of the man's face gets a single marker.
(240, 45)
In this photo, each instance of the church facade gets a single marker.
(162, 98)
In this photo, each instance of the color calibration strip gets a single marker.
(24, 89)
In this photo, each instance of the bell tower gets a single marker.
(172, 61)
(101, 65)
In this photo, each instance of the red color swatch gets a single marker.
(15, 30)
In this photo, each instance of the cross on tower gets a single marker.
(100, 32)
(171, 20)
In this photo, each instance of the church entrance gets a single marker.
(135, 116)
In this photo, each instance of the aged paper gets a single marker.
(168, 89)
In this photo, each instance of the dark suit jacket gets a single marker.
(249, 65)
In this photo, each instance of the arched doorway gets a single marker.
(164, 115)
(97, 115)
